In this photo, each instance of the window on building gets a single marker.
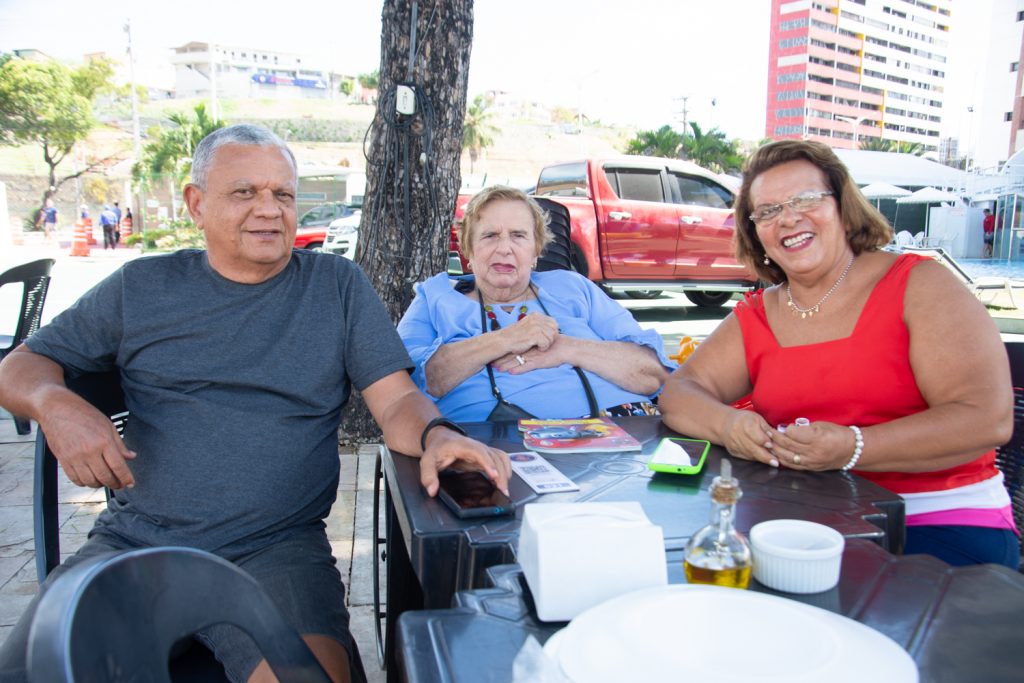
(1014, 66)
(1009, 116)
(1020, 16)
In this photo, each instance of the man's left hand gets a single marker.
(446, 448)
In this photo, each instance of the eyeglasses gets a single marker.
(802, 203)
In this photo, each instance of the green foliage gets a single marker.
(898, 146)
(346, 87)
(477, 129)
(170, 152)
(663, 142)
(370, 80)
(711, 150)
(41, 104)
(93, 78)
(175, 234)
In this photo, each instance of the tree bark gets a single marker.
(412, 173)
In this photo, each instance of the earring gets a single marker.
(767, 261)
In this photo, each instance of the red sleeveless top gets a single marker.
(864, 379)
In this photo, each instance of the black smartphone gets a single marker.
(471, 494)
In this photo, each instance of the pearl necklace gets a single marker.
(807, 312)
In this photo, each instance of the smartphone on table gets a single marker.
(472, 494)
(679, 456)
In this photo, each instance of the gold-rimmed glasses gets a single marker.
(801, 203)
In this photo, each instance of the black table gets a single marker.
(959, 624)
(431, 553)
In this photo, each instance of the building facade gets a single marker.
(842, 71)
(995, 113)
(202, 69)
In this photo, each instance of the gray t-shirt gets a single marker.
(235, 391)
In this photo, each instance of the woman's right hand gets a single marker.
(748, 436)
(534, 331)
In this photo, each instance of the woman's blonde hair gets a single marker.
(464, 230)
(866, 228)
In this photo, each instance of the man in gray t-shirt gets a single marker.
(235, 363)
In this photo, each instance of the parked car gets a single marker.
(343, 235)
(643, 225)
(312, 228)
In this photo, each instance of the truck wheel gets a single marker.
(708, 299)
(643, 293)
(314, 245)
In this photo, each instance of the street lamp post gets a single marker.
(854, 123)
(136, 132)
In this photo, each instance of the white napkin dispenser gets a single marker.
(578, 555)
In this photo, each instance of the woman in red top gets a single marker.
(898, 368)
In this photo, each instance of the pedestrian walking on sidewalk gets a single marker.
(108, 221)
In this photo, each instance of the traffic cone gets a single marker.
(88, 233)
(80, 245)
(126, 226)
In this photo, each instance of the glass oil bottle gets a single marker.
(718, 554)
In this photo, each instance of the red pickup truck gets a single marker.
(645, 224)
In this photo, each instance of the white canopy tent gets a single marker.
(928, 195)
(881, 190)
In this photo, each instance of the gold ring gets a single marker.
(796, 459)
(520, 360)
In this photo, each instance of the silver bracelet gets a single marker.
(858, 448)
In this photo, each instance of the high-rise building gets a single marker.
(842, 71)
(994, 113)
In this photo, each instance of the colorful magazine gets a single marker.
(584, 435)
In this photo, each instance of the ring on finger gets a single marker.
(520, 360)
(796, 459)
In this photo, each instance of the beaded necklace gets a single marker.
(495, 325)
(808, 312)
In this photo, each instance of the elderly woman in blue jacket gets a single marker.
(510, 342)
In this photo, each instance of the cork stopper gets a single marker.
(725, 490)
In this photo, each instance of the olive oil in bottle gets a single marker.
(718, 554)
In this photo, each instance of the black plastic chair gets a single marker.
(1010, 456)
(103, 390)
(35, 278)
(117, 617)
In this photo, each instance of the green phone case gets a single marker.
(666, 457)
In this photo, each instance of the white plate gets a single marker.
(722, 635)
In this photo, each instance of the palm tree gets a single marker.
(898, 146)
(663, 142)
(170, 154)
(477, 129)
(711, 150)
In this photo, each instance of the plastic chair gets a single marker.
(35, 278)
(117, 617)
(103, 390)
(1010, 456)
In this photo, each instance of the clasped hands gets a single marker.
(818, 446)
(531, 344)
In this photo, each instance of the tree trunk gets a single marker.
(412, 173)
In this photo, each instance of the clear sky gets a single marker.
(627, 62)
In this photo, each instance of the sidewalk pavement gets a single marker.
(349, 528)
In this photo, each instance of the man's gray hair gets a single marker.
(241, 134)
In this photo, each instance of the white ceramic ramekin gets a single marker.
(795, 556)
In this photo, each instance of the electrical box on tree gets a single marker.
(405, 100)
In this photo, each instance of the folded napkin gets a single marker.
(577, 555)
